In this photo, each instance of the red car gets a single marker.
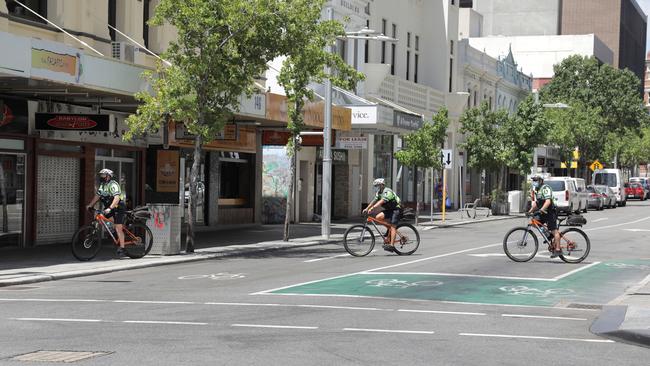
(634, 190)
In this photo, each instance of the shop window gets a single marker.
(236, 179)
(39, 6)
(123, 164)
(383, 158)
(145, 19)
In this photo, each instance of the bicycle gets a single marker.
(359, 240)
(138, 239)
(521, 244)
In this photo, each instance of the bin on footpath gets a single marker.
(165, 225)
(515, 201)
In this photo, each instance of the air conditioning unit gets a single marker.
(123, 51)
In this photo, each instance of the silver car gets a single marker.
(608, 193)
(595, 199)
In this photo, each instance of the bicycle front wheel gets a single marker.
(139, 241)
(520, 244)
(407, 239)
(358, 240)
(86, 243)
(575, 245)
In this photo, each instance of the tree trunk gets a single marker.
(290, 195)
(3, 192)
(194, 175)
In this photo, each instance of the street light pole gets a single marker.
(327, 149)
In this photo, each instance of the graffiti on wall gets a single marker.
(275, 184)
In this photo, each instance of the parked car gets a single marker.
(596, 200)
(613, 178)
(635, 190)
(565, 194)
(645, 182)
(608, 195)
(583, 196)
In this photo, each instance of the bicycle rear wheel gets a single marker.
(575, 245)
(359, 240)
(407, 239)
(142, 240)
(520, 244)
(86, 243)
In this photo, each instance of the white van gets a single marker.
(583, 195)
(612, 178)
(565, 194)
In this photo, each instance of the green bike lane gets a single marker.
(595, 283)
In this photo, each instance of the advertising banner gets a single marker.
(167, 171)
(74, 122)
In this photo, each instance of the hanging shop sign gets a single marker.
(338, 156)
(74, 122)
(281, 138)
(167, 170)
(352, 142)
(254, 106)
(407, 121)
(229, 132)
(13, 116)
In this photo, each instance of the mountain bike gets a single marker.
(521, 243)
(359, 240)
(138, 239)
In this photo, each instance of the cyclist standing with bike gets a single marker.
(542, 198)
(390, 202)
(111, 196)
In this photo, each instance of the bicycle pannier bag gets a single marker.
(576, 220)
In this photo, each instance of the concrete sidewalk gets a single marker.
(48, 263)
(627, 318)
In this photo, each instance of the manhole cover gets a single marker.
(585, 306)
(58, 356)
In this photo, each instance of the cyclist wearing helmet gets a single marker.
(112, 198)
(542, 198)
(390, 202)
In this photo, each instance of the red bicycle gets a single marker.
(138, 239)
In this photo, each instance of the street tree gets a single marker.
(222, 45)
(306, 62)
(526, 129)
(422, 148)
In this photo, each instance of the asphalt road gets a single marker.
(457, 301)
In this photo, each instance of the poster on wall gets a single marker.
(275, 184)
(167, 171)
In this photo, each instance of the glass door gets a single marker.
(12, 199)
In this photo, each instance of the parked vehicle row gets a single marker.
(638, 187)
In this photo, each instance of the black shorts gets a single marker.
(118, 214)
(550, 219)
(392, 216)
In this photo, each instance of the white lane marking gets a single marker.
(161, 322)
(440, 312)
(460, 275)
(488, 255)
(540, 317)
(152, 302)
(268, 292)
(537, 337)
(600, 219)
(637, 230)
(387, 331)
(271, 326)
(53, 300)
(325, 258)
(617, 225)
(427, 228)
(296, 306)
(556, 278)
(60, 320)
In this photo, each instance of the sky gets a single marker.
(645, 5)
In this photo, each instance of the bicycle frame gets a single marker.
(374, 221)
(102, 220)
(538, 226)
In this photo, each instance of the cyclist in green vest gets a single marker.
(390, 202)
(112, 198)
(542, 197)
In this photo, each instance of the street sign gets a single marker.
(596, 165)
(446, 158)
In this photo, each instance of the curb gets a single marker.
(199, 255)
(608, 325)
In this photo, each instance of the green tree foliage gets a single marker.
(221, 46)
(305, 63)
(526, 130)
(422, 148)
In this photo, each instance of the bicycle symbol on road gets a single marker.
(628, 266)
(525, 290)
(215, 276)
(395, 283)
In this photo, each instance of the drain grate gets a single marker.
(585, 306)
(58, 356)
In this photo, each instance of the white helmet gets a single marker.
(106, 172)
(379, 181)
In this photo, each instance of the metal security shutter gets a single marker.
(57, 215)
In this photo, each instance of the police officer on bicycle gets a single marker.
(112, 197)
(390, 202)
(542, 200)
